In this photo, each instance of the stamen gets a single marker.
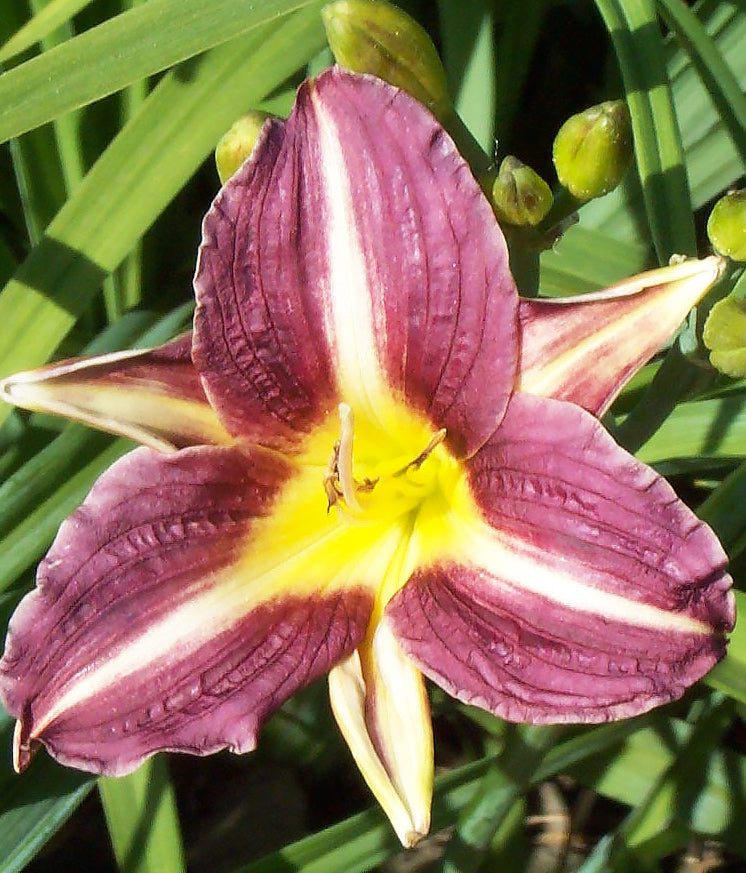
(425, 453)
(344, 458)
(330, 479)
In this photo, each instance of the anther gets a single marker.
(331, 477)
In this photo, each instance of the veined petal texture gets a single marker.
(354, 257)
(589, 593)
(148, 631)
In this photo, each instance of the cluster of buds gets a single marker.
(726, 226)
(591, 152)
(725, 336)
(371, 36)
(725, 328)
(519, 196)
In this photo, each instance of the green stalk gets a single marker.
(142, 819)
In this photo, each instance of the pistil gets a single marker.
(344, 459)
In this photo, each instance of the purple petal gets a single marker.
(590, 592)
(585, 349)
(147, 630)
(153, 396)
(354, 257)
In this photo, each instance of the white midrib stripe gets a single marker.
(350, 327)
(543, 380)
(504, 557)
(234, 593)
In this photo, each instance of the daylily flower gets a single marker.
(371, 459)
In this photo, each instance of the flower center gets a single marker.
(370, 501)
(392, 487)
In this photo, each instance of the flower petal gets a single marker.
(150, 629)
(380, 703)
(589, 592)
(586, 348)
(354, 257)
(154, 397)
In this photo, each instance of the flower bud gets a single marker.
(518, 195)
(725, 336)
(593, 150)
(372, 36)
(726, 226)
(237, 144)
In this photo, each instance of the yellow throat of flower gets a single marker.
(398, 487)
(369, 504)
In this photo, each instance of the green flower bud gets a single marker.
(518, 195)
(725, 336)
(726, 226)
(372, 36)
(237, 144)
(593, 150)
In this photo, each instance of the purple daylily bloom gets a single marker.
(370, 458)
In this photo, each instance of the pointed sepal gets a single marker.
(586, 348)
(379, 700)
(154, 397)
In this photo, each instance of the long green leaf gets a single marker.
(704, 428)
(586, 260)
(712, 162)
(44, 22)
(468, 55)
(518, 28)
(144, 40)
(730, 674)
(724, 508)
(500, 789)
(721, 84)
(364, 840)
(33, 807)
(28, 541)
(67, 127)
(657, 825)
(142, 819)
(633, 771)
(38, 174)
(47, 161)
(637, 41)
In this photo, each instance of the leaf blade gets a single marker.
(139, 42)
